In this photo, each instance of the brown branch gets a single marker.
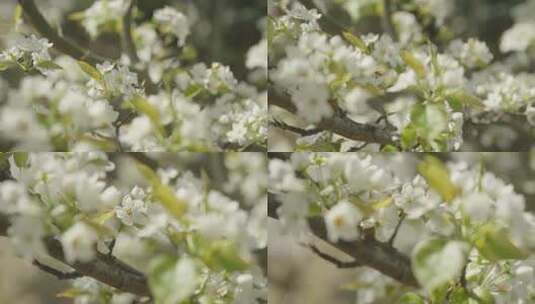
(372, 253)
(104, 268)
(58, 274)
(144, 159)
(341, 125)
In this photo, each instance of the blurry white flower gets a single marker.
(174, 21)
(518, 38)
(257, 55)
(79, 243)
(342, 222)
(473, 53)
(101, 13)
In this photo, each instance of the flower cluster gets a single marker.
(455, 214)
(162, 98)
(27, 52)
(185, 233)
(421, 88)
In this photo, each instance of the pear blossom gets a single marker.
(174, 21)
(79, 243)
(342, 222)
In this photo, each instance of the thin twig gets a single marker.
(329, 258)
(303, 132)
(358, 148)
(396, 230)
(58, 274)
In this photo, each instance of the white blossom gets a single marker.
(173, 21)
(79, 243)
(342, 222)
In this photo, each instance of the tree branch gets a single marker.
(372, 253)
(341, 125)
(58, 274)
(106, 269)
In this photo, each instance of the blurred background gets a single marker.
(297, 276)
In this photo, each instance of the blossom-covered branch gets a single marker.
(371, 253)
(183, 237)
(105, 268)
(340, 124)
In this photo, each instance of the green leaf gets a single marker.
(356, 41)
(494, 244)
(4, 156)
(91, 71)
(193, 90)
(163, 193)
(484, 295)
(4, 65)
(77, 16)
(223, 255)
(21, 159)
(409, 137)
(17, 15)
(103, 217)
(49, 65)
(435, 262)
(72, 293)
(389, 148)
(438, 178)
(413, 63)
(459, 296)
(411, 298)
(152, 112)
(461, 97)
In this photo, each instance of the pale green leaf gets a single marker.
(438, 178)
(461, 97)
(49, 65)
(21, 159)
(152, 112)
(223, 255)
(356, 41)
(163, 193)
(494, 244)
(91, 71)
(413, 62)
(411, 298)
(17, 15)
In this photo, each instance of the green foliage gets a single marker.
(438, 178)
